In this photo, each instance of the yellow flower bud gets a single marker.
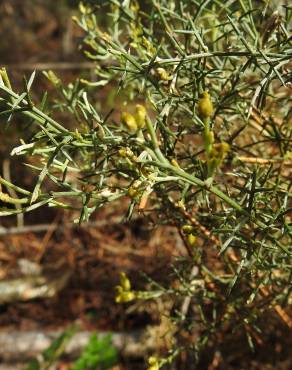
(132, 192)
(140, 116)
(78, 136)
(51, 76)
(129, 121)
(192, 239)
(181, 204)
(126, 153)
(163, 75)
(153, 363)
(205, 106)
(147, 44)
(136, 189)
(135, 7)
(84, 9)
(106, 37)
(187, 229)
(124, 297)
(225, 147)
(174, 163)
(124, 281)
(4, 77)
(123, 153)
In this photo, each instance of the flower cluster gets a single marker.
(205, 106)
(135, 122)
(215, 153)
(124, 293)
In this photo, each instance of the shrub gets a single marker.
(203, 142)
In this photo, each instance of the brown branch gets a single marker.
(263, 161)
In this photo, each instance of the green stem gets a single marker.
(5, 198)
(213, 189)
(14, 187)
(154, 141)
(34, 112)
(230, 54)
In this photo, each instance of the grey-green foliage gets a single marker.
(163, 55)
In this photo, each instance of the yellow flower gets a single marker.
(84, 9)
(147, 44)
(135, 7)
(205, 106)
(216, 156)
(132, 192)
(153, 363)
(129, 121)
(175, 163)
(126, 153)
(219, 151)
(136, 190)
(192, 240)
(187, 229)
(163, 75)
(140, 115)
(124, 297)
(123, 290)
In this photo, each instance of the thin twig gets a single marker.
(12, 192)
(265, 161)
